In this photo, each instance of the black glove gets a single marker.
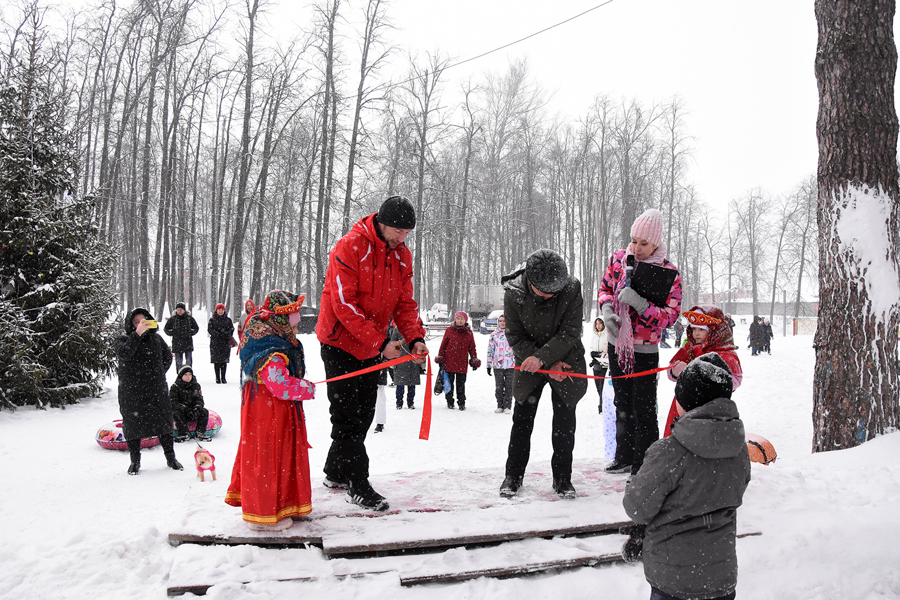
(594, 364)
(634, 547)
(489, 372)
(595, 355)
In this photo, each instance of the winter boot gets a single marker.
(362, 494)
(379, 428)
(134, 448)
(564, 488)
(174, 464)
(411, 405)
(335, 483)
(204, 437)
(449, 402)
(400, 406)
(135, 465)
(461, 404)
(618, 467)
(279, 526)
(510, 486)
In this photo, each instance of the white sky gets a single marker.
(744, 70)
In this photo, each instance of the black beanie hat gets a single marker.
(397, 211)
(185, 369)
(180, 305)
(706, 378)
(546, 270)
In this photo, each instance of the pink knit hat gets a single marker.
(648, 226)
(462, 314)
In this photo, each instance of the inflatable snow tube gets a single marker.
(761, 450)
(110, 436)
(213, 424)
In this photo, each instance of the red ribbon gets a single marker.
(425, 428)
(584, 376)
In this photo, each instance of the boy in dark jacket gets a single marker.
(187, 405)
(688, 491)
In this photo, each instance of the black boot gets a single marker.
(449, 402)
(224, 368)
(134, 448)
(361, 493)
(510, 486)
(564, 488)
(166, 442)
(379, 428)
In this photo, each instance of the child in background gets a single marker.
(187, 405)
(456, 347)
(599, 358)
(708, 331)
(502, 360)
(684, 500)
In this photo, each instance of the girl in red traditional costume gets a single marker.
(270, 479)
(708, 331)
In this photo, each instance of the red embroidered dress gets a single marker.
(270, 478)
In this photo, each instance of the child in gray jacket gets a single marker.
(688, 491)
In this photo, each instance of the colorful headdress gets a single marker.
(268, 330)
(697, 318)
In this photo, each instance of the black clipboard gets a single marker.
(653, 282)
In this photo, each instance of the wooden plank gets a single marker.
(370, 548)
(263, 540)
(500, 572)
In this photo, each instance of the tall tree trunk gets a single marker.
(855, 390)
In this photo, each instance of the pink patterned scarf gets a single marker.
(625, 341)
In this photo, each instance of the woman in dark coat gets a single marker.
(144, 357)
(756, 336)
(220, 329)
(406, 375)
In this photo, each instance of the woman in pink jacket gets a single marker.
(456, 348)
(634, 328)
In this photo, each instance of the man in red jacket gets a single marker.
(368, 282)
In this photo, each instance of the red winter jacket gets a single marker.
(366, 285)
(457, 345)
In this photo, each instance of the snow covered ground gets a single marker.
(74, 525)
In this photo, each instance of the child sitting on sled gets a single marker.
(187, 405)
(684, 500)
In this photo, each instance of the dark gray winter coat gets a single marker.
(687, 493)
(143, 391)
(220, 330)
(182, 329)
(405, 373)
(549, 329)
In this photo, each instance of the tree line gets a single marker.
(241, 164)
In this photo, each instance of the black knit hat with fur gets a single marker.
(706, 378)
(546, 270)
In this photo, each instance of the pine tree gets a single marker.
(55, 283)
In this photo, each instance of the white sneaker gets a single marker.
(498, 410)
(507, 411)
(279, 526)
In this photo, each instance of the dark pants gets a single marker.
(636, 422)
(352, 407)
(563, 436)
(165, 440)
(182, 358)
(183, 415)
(503, 387)
(656, 594)
(458, 383)
(220, 369)
(410, 395)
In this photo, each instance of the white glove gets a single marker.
(611, 320)
(635, 300)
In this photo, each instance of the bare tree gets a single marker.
(855, 391)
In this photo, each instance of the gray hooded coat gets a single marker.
(548, 328)
(687, 493)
